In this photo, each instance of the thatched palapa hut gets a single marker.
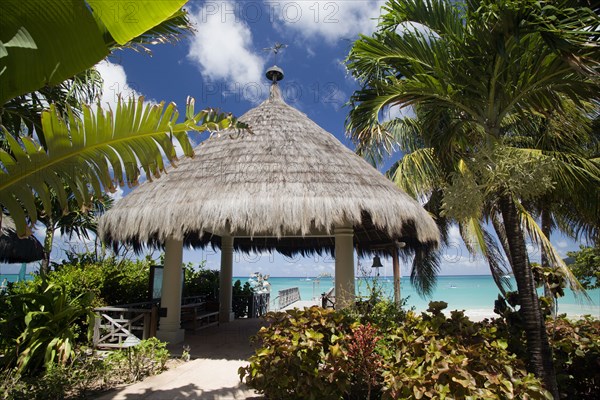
(15, 250)
(288, 185)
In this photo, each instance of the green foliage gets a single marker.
(383, 313)
(41, 327)
(554, 281)
(135, 363)
(93, 151)
(462, 198)
(45, 89)
(29, 57)
(576, 347)
(363, 362)
(437, 357)
(43, 320)
(297, 353)
(86, 373)
(201, 282)
(242, 296)
(318, 354)
(112, 281)
(486, 80)
(524, 174)
(587, 266)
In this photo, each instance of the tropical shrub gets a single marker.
(135, 363)
(431, 356)
(86, 373)
(384, 313)
(297, 356)
(586, 266)
(201, 282)
(364, 363)
(242, 296)
(319, 354)
(112, 281)
(77, 379)
(40, 328)
(576, 348)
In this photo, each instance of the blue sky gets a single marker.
(223, 66)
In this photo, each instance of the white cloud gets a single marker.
(416, 28)
(327, 20)
(117, 195)
(454, 235)
(393, 112)
(223, 47)
(115, 84)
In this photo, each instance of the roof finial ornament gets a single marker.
(275, 74)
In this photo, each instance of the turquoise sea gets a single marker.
(473, 293)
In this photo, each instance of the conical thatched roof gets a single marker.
(15, 250)
(284, 186)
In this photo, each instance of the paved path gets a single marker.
(212, 374)
(302, 304)
(217, 353)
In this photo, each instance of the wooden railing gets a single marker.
(288, 296)
(114, 325)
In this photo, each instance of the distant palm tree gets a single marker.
(474, 74)
(78, 221)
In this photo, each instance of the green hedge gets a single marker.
(111, 281)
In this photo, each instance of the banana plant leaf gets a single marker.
(44, 42)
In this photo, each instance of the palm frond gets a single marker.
(498, 264)
(480, 242)
(434, 208)
(424, 272)
(93, 153)
(418, 173)
(21, 115)
(438, 15)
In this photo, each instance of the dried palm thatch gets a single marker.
(16, 250)
(284, 186)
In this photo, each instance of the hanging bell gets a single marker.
(376, 262)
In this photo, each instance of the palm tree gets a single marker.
(86, 150)
(572, 206)
(474, 73)
(76, 221)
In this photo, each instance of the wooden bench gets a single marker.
(201, 315)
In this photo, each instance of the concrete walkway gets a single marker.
(300, 304)
(216, 354)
